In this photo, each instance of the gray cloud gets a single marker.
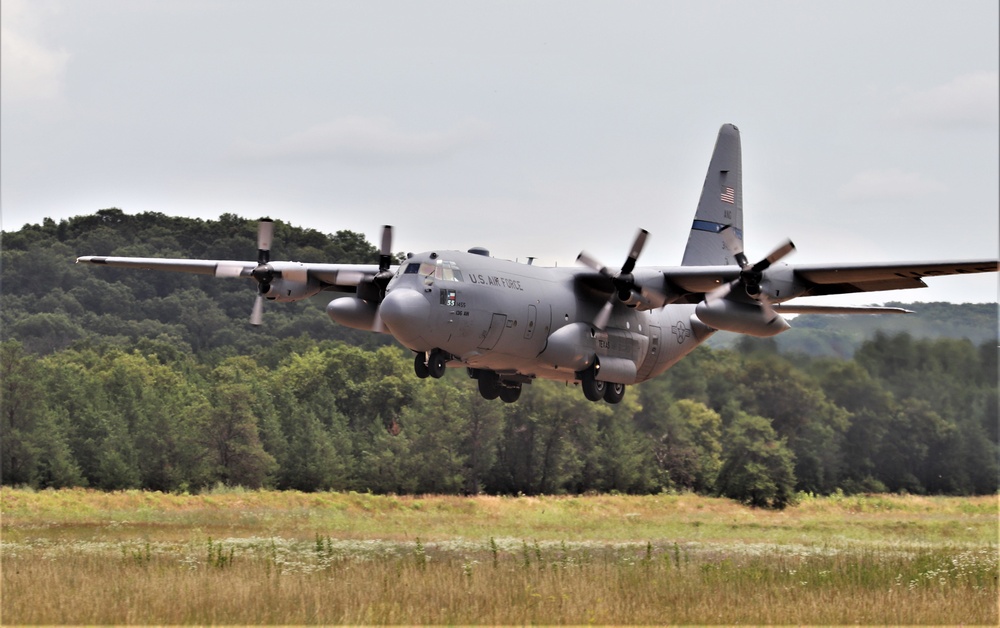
(970, 100)
(29, 70)
(890, 185)
(362, 139)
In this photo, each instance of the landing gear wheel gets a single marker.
(420, 365)
(592, 389)
(436, 364)
(489, 385)
(510, 394)
(614, 393)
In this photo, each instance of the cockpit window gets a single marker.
(427, 269)
(441, 270)
(449, 271)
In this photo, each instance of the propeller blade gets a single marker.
(350, 277)
(257, 315)
(778, 253)
(602, 318)
(265, 234)
(765, 304)
(234, 269)
(637, 244)
(720, 293)
(385, 253)
(587, 260)
(735, 245)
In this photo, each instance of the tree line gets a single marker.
(906, 415)
(119, 380)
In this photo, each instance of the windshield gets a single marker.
(441, 270)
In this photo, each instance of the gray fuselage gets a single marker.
(525, 321)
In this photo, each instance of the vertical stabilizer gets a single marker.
(720, 207)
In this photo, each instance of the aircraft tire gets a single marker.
(510, 394)
(614, 393)
(489, 385)
(420, 366)
(436, 364)
(592, 388)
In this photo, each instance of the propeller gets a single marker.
(372, 288)
(750, 275)
(625, 286)
(263, 274)
(383, 276)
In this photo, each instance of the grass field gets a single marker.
(84, 557)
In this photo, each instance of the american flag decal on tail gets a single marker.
(728, 195)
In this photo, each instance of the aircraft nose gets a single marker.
(405, 313)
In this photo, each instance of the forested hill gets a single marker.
(49, 302)
(842, 335)
(121, 379)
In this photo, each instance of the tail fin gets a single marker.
(721, 205)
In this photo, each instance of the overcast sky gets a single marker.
(870, 129)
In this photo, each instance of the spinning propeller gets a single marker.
(750, 275)
(381, 279)
(263, 274)
(625, 286)
(373, 288)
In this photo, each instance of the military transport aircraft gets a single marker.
(508, 323)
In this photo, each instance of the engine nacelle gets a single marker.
(743, 318)
(355, 313)
(288, 290)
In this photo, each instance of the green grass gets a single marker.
(78, 556)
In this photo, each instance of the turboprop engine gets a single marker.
(362, 311)
(290, 290)
(355, 313)
(742, 305)
(744, 318)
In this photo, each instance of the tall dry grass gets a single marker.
(333, 582)
(236, 557)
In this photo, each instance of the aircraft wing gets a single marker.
(697, 280)
(693, 282)
(847, 278)
(335, 277)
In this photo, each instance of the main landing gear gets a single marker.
(491, 387)
(432, 364)
(595, 390)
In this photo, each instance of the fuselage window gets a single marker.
(412, 268)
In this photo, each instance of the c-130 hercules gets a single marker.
(508, 323)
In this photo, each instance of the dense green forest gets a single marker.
(130, 379)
